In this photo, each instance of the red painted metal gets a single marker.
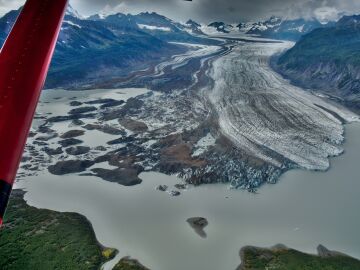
(24, 62)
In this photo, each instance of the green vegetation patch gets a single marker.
(129, 264)
(42, 239)
(282, 258)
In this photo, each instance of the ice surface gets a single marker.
(267, 117)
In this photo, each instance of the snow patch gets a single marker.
(73, 24)
(154, 28)
(203, 144)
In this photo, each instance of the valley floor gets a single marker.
(214, 114)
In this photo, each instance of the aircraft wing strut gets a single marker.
(24, 62)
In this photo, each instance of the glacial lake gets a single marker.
(303, 210)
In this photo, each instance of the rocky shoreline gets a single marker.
(27, 228)
(44, 226)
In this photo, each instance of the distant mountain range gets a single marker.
(278, 28)
(328, 59)
(90, 49)
(274, 28)
(101, 47)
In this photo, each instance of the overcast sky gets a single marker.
(211, 10)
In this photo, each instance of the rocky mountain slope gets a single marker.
(328, 59)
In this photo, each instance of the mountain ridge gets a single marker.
(327, 59)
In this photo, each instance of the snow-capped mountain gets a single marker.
(259, 28)
(169, 30)
(278, 28)
(193, 23)
(97, 17)
(70, 11)
(244, 26)
(275, 27)
(221, 27)
(154, 21)
(157, 25)
(194, 27)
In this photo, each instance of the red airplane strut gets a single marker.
(24, 63)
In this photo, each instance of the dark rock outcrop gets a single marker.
(82, 110)
(198, 224)
(46, 138)
(75, 103)
(100, 101)
(133, 125)
(174, 193)
(78, 150)
(132, 106)
(122, 176)
(181, 186)
(72, 134)
(111, 104)
(106, 129)
(162, 188)
(100, 148)
(69, 142)
(70, 166)
(57, 119)
(77, 122)
(121, 140)
(129, 264)
(52, 151)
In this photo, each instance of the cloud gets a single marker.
(236, 10)
(6, 5)
(326, 14)
(211, 10)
